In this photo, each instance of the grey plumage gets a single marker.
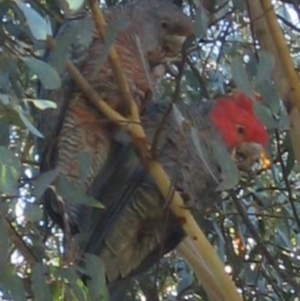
(137, 226)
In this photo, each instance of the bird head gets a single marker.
(243, 134)
(164, 29)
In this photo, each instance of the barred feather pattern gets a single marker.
(83, 129)
(138, 227)
(83, 133)
(144, 229)
(143, 20)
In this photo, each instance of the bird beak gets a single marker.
(173, 44)
(246, 154)
(264, 160)
(168, 51)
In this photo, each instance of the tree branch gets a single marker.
(114, 60)
(264, 251)
(220, 283)
(271, 39)
(18, 242)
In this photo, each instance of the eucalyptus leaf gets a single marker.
(39, 26)
(43, 181)
(42, 104)
(46, 74)
(282, 239)
(4, 132)
(239, 4)
(72, 277)
(73, 194)
(251, 277)
(4, 245)
(202, 153)
(33, 212)
(264, 114)
(64, 41)
(201, 22)
(230, 173)
(14, 287)
(28, 124)
(252, 215)
(39, 286)
(4, 82)
(269, 96)
(186, 280)
(240, 77)
(71, 6)
(94, 268)
(265, 67)
(4, 99)
(10, 168)
(252, 65)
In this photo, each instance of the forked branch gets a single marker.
(217, 283)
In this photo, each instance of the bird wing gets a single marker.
(73, 39)
(136, 228)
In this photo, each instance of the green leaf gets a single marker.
(4, 80)
(4, 99)
(230, 173)
(282, 239)
(221, 155)
(42, 104)
(201, 23)
(94, 268)
(73, 194)
(64, 41)
(251, 66)
(265, 67)
(250, 276)
(4, 245)
(39, 26)
(264, 114)
(239, 4)
(4, 132)
(42, 182)
(240, 77)
(40, 288)
(269, 96)
(14, 286)
(46, 74)
(10, 168)
(28, 124)
(71, 6)
(73, 279)
(33, 212)
(201, 151)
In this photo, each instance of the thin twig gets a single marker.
(264, 251)
(114, 60)
(18, 242)
(221, 282)
(286, 182)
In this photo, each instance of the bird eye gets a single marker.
(164, 24)
(240, 129)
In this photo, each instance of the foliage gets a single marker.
(253, 227)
